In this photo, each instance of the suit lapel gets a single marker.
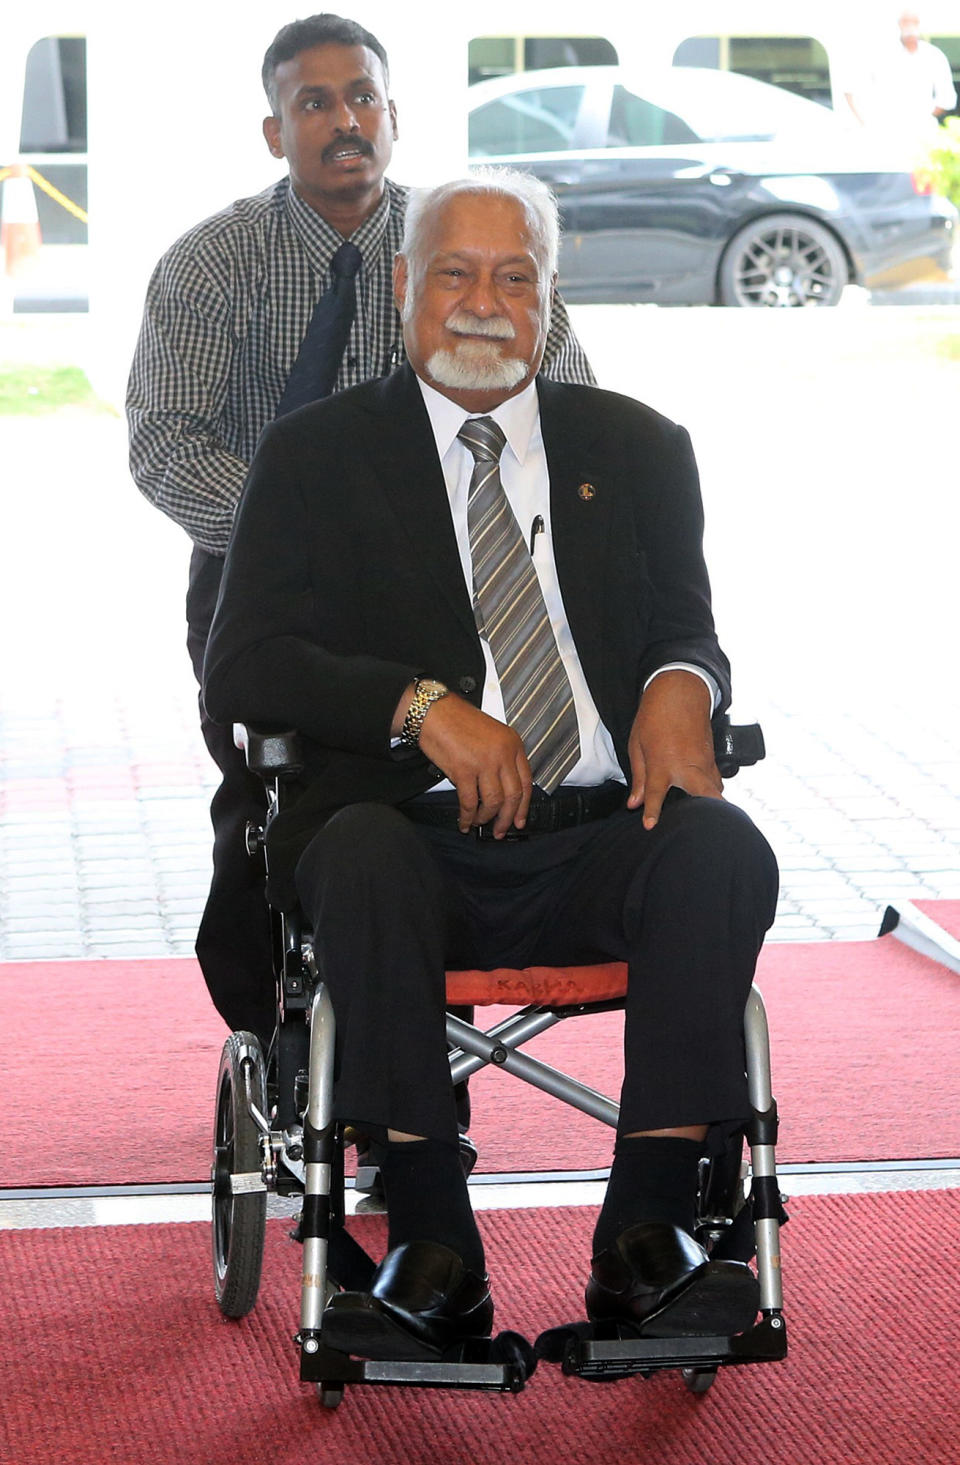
(402, 449)
(404, 453)
(581, 508)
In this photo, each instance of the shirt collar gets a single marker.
(321, 240)
(518, 417)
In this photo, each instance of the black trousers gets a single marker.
(394, 903)
(234, 943)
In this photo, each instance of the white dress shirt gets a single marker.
(526, 483)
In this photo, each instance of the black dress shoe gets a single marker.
(660, 1280)
(422, 1302)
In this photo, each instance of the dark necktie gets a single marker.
(512, 617)
(315, 370)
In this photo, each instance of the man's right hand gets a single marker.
(483, 759)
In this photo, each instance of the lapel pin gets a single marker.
(586, 491)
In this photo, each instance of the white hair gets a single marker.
(535, 198)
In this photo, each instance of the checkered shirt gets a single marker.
(227, 308)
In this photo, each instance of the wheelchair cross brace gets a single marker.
(498, 1047)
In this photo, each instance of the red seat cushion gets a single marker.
(545, 986)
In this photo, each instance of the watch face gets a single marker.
(429, 687)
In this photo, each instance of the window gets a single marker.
(503, 55)
(53, 132)
(637, 123)
(54, 116)
(797, 63)
(541, 120)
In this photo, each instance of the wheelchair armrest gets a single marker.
(270, 752)
(736, 747)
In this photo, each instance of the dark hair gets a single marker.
(303, 35)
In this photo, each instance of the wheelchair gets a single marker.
(275, 1133)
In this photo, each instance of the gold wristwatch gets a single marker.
(426, 692)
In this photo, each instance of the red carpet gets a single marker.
(114, 1351)
(113, 1066)
(946, 913)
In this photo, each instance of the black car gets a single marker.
(699, 187)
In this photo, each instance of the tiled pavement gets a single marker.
(104, 849)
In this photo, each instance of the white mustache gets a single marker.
(462, 323)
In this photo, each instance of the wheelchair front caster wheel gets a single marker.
(698, 1380)
(330, 1395)
(239, 1215)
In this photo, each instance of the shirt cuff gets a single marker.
(709, 681)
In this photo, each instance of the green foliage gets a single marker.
(32, 390)
(942, 169)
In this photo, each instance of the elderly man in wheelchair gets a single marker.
(480, 597)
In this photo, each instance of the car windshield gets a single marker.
(722, 106)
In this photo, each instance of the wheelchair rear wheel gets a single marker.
(239, 1216)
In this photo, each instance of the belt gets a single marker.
(549, 813)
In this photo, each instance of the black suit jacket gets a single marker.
(343, 581)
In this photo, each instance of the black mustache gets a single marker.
(360, 143)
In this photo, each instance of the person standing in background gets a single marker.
(909, 86)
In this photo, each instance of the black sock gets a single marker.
(428, 1200)
(653, 1178)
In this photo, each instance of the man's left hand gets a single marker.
(671, 744)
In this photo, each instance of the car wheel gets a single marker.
(783, 260)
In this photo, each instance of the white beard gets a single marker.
(476, 366)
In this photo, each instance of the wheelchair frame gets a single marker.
(294, 1146)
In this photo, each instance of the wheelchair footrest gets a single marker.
(607, 1351)
(500, 1365)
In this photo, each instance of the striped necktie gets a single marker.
(314, 372)
(512, 618)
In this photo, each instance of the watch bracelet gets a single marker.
(420, 705)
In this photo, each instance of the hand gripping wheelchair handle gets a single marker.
(276, 752)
